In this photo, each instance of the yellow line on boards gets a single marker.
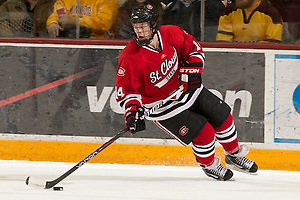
(135, 154)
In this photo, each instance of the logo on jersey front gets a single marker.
(165, 72)
(83, 10)
(121, 71)
(183, 131)
(149, 6)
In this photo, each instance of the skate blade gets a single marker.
(233, 167)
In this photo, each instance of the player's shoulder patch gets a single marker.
(121, 71)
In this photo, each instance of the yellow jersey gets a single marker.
(259, 23)
(98, 15)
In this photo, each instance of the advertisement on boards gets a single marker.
(287, 99)
(70, 91)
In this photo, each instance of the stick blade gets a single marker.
(34, 182)
(50, 184)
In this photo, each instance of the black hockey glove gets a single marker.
(135, 118)
(190, 77)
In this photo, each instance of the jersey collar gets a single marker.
(160, 44)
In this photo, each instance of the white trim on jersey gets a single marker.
(160, 43)
(128, 98)
(198, 55)
(181, 103)
(169, 132)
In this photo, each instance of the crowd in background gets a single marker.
(255, 21)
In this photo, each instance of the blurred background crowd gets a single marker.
(246, 21)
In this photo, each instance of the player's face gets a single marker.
(142, 30)
(244, 3)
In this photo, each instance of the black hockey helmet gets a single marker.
(144, 14)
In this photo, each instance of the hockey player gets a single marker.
(154, 64)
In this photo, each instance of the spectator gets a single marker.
(289, 10)
(225, 2)
(122, 28)
(96, 18)
(2, 1)
(250, 21)
(25, 18)
(187, 14)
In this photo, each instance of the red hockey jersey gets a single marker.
(146, 76)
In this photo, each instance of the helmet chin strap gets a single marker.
(146, 41)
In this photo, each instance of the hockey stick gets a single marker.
(164, 101)
(50, 184)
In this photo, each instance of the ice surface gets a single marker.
(137, 182)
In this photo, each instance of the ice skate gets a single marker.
(240, 163)
(217, 171)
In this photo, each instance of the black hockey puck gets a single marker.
(58, 188)
(27, 180)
